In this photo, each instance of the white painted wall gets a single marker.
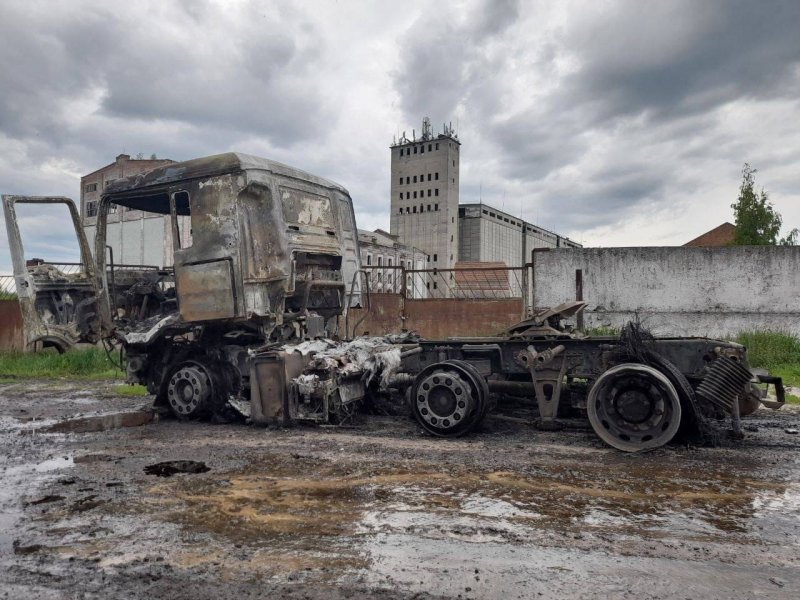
(713, 292)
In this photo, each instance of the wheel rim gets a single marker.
(446, 401)
(634, 407)
(443, 400)
(189, 390)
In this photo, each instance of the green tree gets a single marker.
(757, 221)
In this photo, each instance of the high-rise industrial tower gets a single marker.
(424, 192)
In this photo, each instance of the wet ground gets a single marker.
(99, 500)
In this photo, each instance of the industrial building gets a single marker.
(381, 249)
(424, 194)
(486, 234)
(426, 214)
(136, 237)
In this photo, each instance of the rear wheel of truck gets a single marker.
(449, 399)
(190, 390)
(634, 407)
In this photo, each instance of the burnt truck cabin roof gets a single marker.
(145, 191)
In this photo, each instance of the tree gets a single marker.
(757, 221)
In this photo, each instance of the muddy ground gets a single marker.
(381, 510)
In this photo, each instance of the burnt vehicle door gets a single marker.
(59, 302)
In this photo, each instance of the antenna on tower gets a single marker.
(426, 128)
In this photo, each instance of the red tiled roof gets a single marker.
(719, 236)
(480, 276)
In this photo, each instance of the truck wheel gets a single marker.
(190, 390)
(448, 400)
(634, 407)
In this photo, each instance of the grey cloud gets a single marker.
(443, 60)
(677, 58)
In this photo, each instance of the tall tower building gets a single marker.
(424, 188)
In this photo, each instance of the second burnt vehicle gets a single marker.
(265, 267)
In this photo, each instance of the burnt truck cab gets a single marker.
(269, 249)
(263, 254)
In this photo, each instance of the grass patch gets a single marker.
(775, 351)
(130, 390)
(89, 363)
(792, 399)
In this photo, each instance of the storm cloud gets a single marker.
(615, 123)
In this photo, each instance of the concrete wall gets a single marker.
(677, 290)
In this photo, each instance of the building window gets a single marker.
(435, 257)
(91, 209)
(429, 176)
(422, 149)
(429, 192)
(401, 195)
(454, 163)
(437, 191)
(415, 210)
(401, 181)
(408, 180)
(451, 239)
(436, 207)
(427, 285)
(429, 208)
(369, 259)
(437, 177)
(429, 147)
(415, 194)
(451, 256)
(437, 145)
(421, 207)
(415, 179)
(415, 149)
(486, 212)
(401, 210)
(401, 152)
(91, 187)
(452, 219)
(380, 261)
(434, 285)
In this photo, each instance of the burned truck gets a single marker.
(252, 317)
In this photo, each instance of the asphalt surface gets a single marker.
(101, 501)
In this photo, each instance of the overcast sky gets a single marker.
(614, 123)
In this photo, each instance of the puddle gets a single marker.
(332, 510)
(16, 482)
(96, 423)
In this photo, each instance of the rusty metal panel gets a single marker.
(384, 315)
(440, 318)
(206, 291)
(437, 318)
(12, 336)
